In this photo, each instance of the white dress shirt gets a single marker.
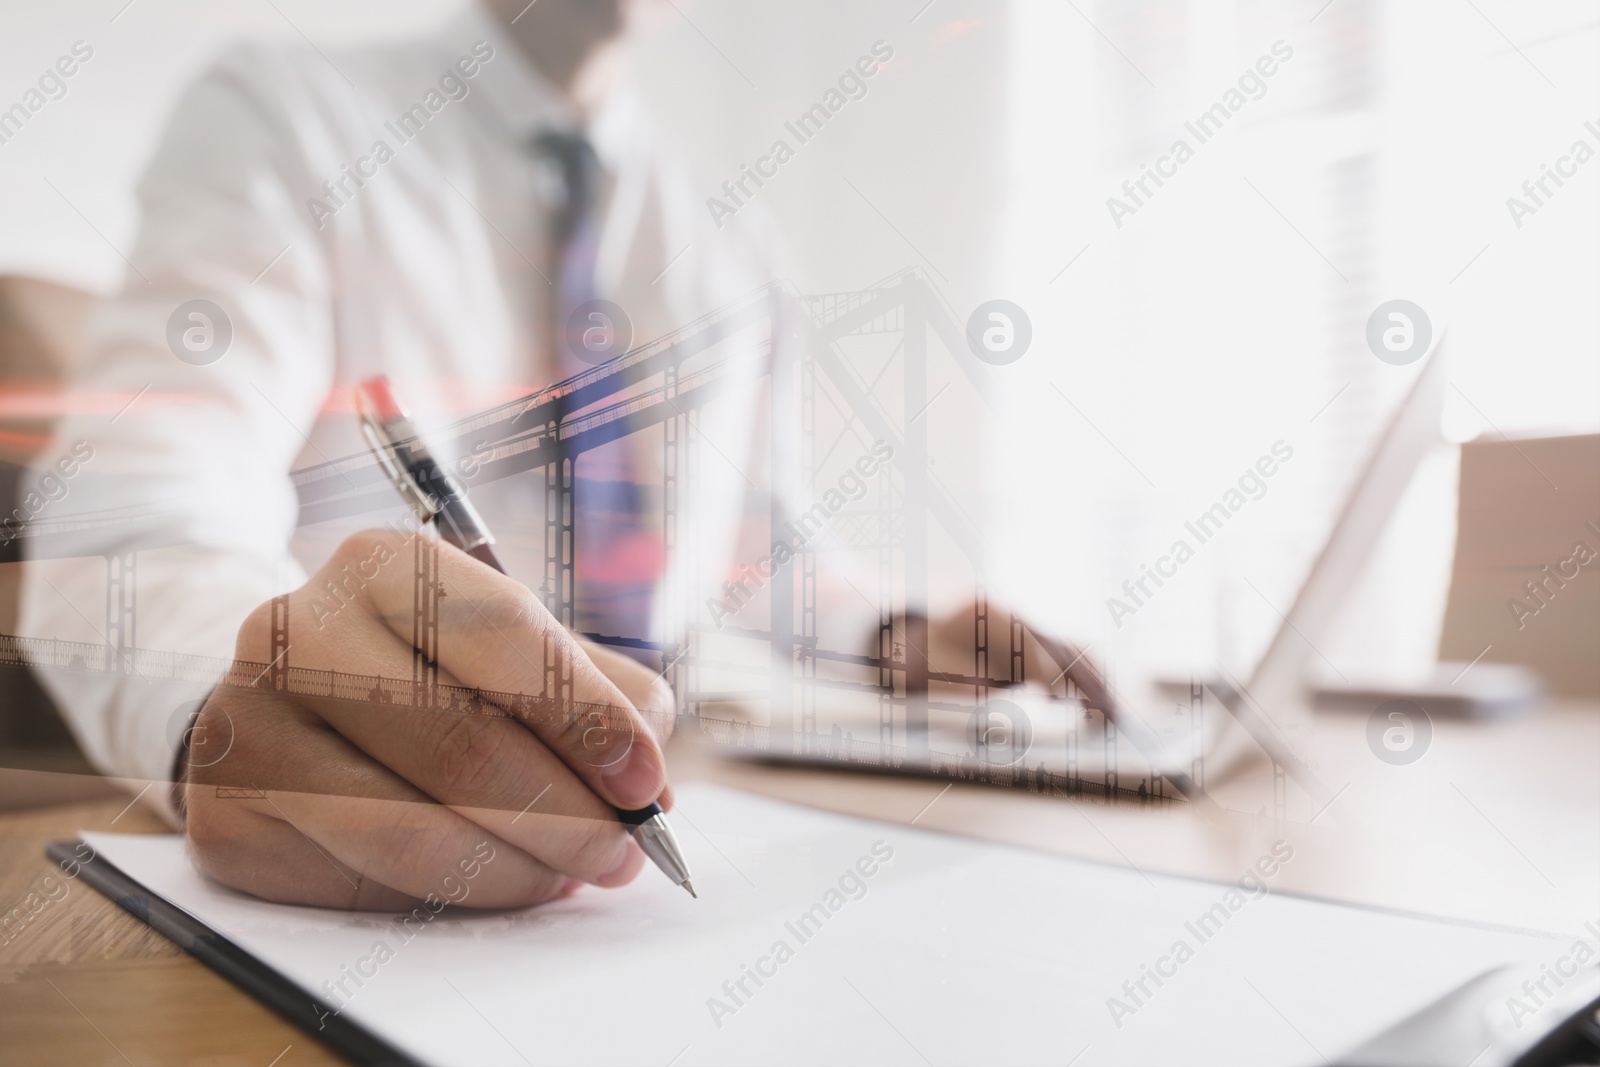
(430, 268)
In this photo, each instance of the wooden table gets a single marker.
(1498, 823)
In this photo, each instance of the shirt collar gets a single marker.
(523, 101)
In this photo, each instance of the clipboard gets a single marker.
(846, 957)
(308, 1013)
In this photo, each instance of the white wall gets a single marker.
(1230, 307)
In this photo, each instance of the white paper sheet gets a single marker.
(952, 951)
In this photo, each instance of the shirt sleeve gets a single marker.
(186, 411)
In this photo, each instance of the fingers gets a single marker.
(280, 859)
(392, 834)
(331, 800)
(646, 690)
(471, 756)
(496, 637)
(266, 857)
(421, 849)
(492, 771)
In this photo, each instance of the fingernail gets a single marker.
(637, 779)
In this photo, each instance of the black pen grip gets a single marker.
(639, 816)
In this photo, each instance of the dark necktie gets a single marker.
(573, 230)
(617, 556)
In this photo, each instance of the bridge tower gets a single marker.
(278, 666)
(122, 574)
(914, 475)
(425, 593)
(784, 428)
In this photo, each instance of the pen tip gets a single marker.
(690, 887)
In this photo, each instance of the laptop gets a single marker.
(1157, 748)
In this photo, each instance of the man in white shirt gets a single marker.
(395, 210)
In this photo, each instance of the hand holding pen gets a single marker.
(352, 795)
(435, 496)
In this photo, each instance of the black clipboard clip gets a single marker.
(272, 988)
(1512, 1016)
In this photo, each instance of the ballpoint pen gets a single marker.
(435, 496)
